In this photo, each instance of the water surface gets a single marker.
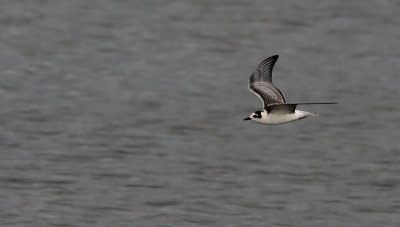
(129, 113)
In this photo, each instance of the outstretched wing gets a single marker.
(290, 107)
(260, 82)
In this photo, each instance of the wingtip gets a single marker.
(275, 57)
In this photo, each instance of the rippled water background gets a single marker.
(129, 113)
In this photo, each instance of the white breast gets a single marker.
(279, 118)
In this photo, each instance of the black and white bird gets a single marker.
(276, 110)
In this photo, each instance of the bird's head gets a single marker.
(256, 116)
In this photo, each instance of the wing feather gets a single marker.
(260, 82)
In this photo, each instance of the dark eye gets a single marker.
(255, 116)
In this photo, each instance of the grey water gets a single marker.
(129, 113)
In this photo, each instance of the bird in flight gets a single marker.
(276, 110)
